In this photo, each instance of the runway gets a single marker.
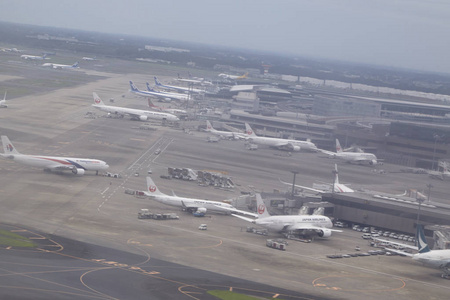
(93, 212)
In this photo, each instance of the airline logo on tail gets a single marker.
(152, 188)
(9, 147)
(338, 146)
(261, 209)
(421, 241)
(133, 87)
(157, 81)
(97, 100)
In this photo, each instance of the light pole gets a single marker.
(436, 137)
(429, 186)
(293, 183)
(335, 172)
(419, 200)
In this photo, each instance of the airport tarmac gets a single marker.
(95, 209)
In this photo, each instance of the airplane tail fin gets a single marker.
(97, 99)
(149, 88)
(150, 103)
(4, 97)
(8, 147)
(133, 87)
(75, 65)
(157, 81)
(249, 130)
(442, 164)
(152, 189)
(421, 240)
(44, 56)
(261, 207)
(209, 126)
(338, 146)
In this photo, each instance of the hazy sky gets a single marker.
(401, 33)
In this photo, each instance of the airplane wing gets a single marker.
(284, 146)
(399, 252)
(243, 218)
(189, 206)
(298, 226)
(304, 187)
(326, 151)
(396, 243)
(60, 167)
(239, 211)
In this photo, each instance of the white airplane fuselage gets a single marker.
(52, 162)
(277, 142)
(142, 115)
(434, 258)
(357, 157)
(227, 134)
(191, 202)
(283, 223)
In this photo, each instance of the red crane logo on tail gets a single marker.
(97, 100)
(261, 209)
(152, 189)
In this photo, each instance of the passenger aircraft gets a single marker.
(351, 157)
(33, 57)
(3, 102)
(60, 66)
(175, 111)
(227, 76)
(178, 96)
(90, 58)
(227, 134)
(177, 88)
(153, 93)
(189, 204)
(194, 80)
(327, 188)
(299, 224)
(444, 174)
(283, 144)
(138, 114)
(434, 258)
(78, 166)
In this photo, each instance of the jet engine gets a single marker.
(143, 118)
(78, 172)
(296, 148)
(201, 210)
(324, 233)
